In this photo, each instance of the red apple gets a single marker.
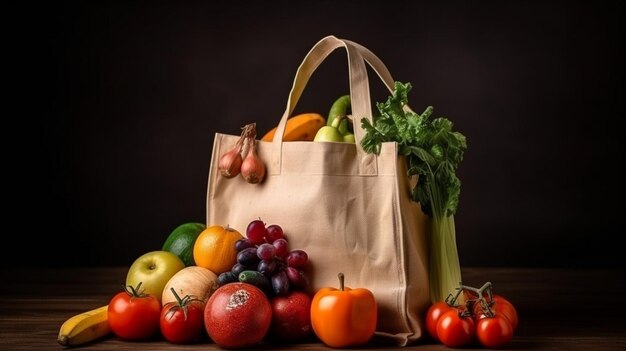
(291, 317)
(237, 315)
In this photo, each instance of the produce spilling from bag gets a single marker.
(242, 285)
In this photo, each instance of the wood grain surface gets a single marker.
(558, 309)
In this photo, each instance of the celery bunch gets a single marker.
(433, 152)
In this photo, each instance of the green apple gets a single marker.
(328, 133)
(153, 270)
(349, 138)
(331, 132)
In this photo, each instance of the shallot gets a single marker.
(252, 168)
(230, 163)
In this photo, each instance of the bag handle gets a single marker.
(379, 68)
(359, 92)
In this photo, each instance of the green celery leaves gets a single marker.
(433, 150)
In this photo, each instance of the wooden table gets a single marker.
(559, 309)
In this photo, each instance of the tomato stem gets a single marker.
(134, 292)
(182, 303)
(484, 303)
(340, 276)
(451, 299)
(178, 299)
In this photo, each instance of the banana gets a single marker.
(85, 327)
(302, 127)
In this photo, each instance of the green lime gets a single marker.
(181, 240)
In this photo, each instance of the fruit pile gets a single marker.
(264, 260)
(208, 282)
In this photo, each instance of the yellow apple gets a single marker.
(153, 270)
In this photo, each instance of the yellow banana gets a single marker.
(85, 327)
(302, 127)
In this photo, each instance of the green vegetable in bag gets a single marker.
(433, 152)
(340, 108)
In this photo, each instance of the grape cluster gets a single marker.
(264, 260)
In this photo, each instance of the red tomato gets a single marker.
(494, 332)
(454, 330)
(182, 322)
(134, 316)
(504, 307)
(500, 307)
(435, 311)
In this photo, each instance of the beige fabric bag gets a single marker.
(350, 211)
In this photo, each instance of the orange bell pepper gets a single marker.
(344, 317)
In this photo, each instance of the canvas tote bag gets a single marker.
(349, 210)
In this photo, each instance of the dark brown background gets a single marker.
(117, 105)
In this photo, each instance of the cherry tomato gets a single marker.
(435, 311)
(500, 307)
(133, 315)
(182, 321)
(455, 330)
(494, 332)
(505, 307)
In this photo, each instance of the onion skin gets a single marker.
(252, 168)
(230, 162)
(193, 280)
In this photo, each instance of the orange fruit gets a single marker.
(214, 248)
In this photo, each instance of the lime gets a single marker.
(181, 240)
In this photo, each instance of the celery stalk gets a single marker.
(433, 152)
(445, 270)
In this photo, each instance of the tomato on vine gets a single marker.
(504, 307)
(496, 305)
(490, 318)
(494, 332)
(182, 322)
(134, 315)
(456, 328)
(434, 313)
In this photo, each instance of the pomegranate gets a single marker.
(237, 315)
